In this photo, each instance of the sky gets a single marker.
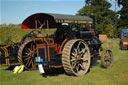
(15, 11)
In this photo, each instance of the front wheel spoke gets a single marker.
(108, 57)
(107, 54)
(107, 63)
(106, 60)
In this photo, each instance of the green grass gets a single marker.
(15, 32)
(116, 75)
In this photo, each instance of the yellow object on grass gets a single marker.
(21, 68)
(18, 69)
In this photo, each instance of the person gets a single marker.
(61, 33)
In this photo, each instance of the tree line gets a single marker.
(107, 21)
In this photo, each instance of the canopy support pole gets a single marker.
(36, 25)
(48, 27)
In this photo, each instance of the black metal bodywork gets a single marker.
(46, 48)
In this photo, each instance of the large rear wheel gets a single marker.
(27, 54)
(76, 57)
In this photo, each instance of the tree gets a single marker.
(123, 21)
(109, 30)
(103, 15)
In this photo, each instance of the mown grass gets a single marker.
(116, 75)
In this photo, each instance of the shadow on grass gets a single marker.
(59, 71)
(48, 72)
(94, 61)
(53, 72)
(10, 67)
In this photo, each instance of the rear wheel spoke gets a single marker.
(26, 53)
(31, 46)
(81, 66)
(74, 54)
(77, 68)
(78, 46)
(27, 62)
(72, 59)
(73, 64)
(27, 58)
(27, 50)
(30, 63)
(34, 48)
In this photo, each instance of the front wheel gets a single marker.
(107, 58)
(76, 57)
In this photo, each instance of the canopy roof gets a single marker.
(40, 20)
(71, 18)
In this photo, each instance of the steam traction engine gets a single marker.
(68, 48)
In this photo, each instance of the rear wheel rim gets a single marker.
(76, 57)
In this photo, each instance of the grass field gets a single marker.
(15, 32)
(116, 75)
